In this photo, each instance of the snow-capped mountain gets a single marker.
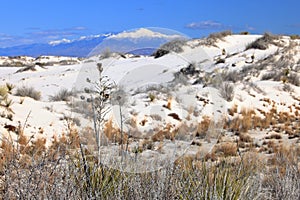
(65, 47)
(139, 41)
(83, 46)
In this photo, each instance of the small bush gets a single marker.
(28, 92)
(220, 35)
(9, 87)
(295, 37)
(172, 46)
(226, 149)
(263, 42)
(227, 91)
(231, 76)
(294, 79)
(3, 91)
(268, 76)
(244, 33)
(160, 53)
(62, 95)
(151, 97)
(220, 60)
(287, 88)
(214, 37)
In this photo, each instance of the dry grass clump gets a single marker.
(278, 121)
(214, 37)
(203, 127)
(244, 33)
(62, 95)
(231, 76)
(233, 110)
(184, 132)
(114, 134)
(226, 149)
(241, 123)
(294, 79)
(25, 91)
(165, 133)
(268, 75)
(172, 46)
(295, 37)
(227, 91)
(263, 42)
(244, 137)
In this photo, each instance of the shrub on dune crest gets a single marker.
(263, 42)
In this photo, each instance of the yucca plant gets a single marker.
(9, 87)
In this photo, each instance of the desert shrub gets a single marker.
(226, 149)
(295, 37)
(263, 42)
(172, 46)
(244, 33)
(214, 37)
(219, 35)
(159, 53)
(278, 75)
(220, 60)
(230, 76)
(82, 107)
(3, 92)
(244, 137)
(9, 87)
(26, 91)
(180, 78)
(227, 91)
(287, 88)
(151, 97)
(62, 95)
(294, 79)
(268, 76)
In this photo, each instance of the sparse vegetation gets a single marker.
(214, 37)
(227, 91)
(245, 33)
(268, 76)
(263, 42)
(62, 95)
(26, 91)
(231, 76)
(295, 37)
(151, 97)
(172, 46)
(219, 35)
(294, 79)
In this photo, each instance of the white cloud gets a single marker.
(207, 25)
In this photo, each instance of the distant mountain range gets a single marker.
(135, 41)
(75, 48)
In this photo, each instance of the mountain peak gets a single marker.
(57, 42)
(144, 32)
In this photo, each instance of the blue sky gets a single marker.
(32, 21)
